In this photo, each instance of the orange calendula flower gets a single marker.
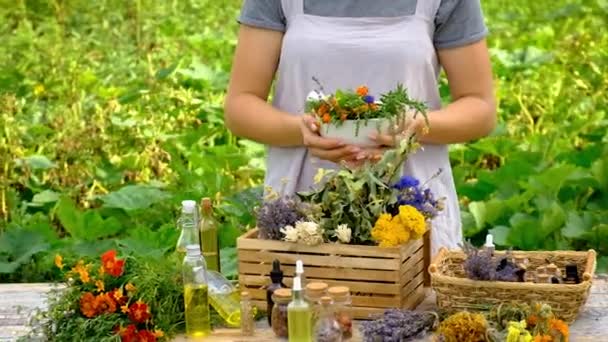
(105, 304)
(138, 312)
(560, 326)
(112, 265)
(87, 305)
(158, 333)
(543, 338)
(59, 261)
(100, 286)
(326, 118)
(362, 91)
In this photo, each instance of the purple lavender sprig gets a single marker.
(478, 264)
(275, 214)
(398, 325)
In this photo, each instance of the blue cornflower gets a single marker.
(368, 99)
(407, 182)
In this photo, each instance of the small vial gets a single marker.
(489, 245)
(247, 323)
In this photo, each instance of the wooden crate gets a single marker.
(379, 278)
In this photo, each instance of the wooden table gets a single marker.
(18, 301)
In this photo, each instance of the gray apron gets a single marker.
(380, 52)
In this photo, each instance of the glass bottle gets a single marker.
(247, 323)
(299, 315)
(208, 236)
(343, 309)
(281, 298)
(224, 298)
(276, 277)
(196, 298)
(327, 328)
(188, 225)
(314, 292)
(300, 272)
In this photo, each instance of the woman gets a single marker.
(346, 43)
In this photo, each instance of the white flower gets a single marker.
(309, 233)
(343, 233)
(291, 234)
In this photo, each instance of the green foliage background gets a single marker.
(111, 114)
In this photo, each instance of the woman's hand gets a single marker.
(328, 149)
(411, 125)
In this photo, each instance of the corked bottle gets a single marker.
(276, 277)
(327, 328)
(247, 322)
(281, 298)
(343, 309)
(314, 292)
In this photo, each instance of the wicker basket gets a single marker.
(455, 292)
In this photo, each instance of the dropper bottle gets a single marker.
(489, 245)
(299, 315)
(276, 276)
(300, 272)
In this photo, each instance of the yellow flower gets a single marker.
(158, 333)
(59, 261)
(118, 294)
(389, 231)
(39, 89)
(124, 308)
(101, 271)
(82, 271)
(130, 288)
(100, 285)
(412, 219)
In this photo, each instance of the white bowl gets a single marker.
(349, 133)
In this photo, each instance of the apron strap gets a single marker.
(291, 8)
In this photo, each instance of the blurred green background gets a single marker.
(111, 114)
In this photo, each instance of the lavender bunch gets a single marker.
(277, 213)
(479, 264)
(411, 192)
(398, 325)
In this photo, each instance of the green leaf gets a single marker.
(47, 196)
(576, 227)
(552, 219)
(134, 197)
(478, 210)
(148, 243)
(17, 246)
(501, 235)
(524, 232)
(37, 162)
(70, 218)
(228, 259)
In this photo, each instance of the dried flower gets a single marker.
(276, 214)
(398, 325)
(410, 192)
(479, 264)
(309, 233)
(516, 332)
(291, 234)
(343, 233)
(389, 232)
(464, 327)
(412, 220)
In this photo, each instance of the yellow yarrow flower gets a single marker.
(389, 231)
(412, 219)
(59, 261)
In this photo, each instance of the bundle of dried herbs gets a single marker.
(480, 264)
(398, 325)
(277, 212)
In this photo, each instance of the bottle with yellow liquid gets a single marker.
(224, 298)
(196, 294)
(188, 226)
(299, 315)
(208, 236)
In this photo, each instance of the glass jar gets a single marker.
(314, 292)
(281, 299)
(343, 309)
(247, 322)
(327, 329)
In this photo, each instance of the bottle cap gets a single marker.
(188, 206)
(206, 204)
(489, 241)
(316, 286)
(299, 267)
(193, 250)
(338, 291)
(282, 293)
(297, 284)
(325, 300)
(276, 275)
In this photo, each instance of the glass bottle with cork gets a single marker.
(224, 298)
(196, 295)
(327, 329)
(314, 291)
(343, 309)
(276, 278)
(187, 223)
(281, 298)
(299, 315)
(208, 236)
(247, 322)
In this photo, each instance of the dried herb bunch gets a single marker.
(481, 265)
(463, 327)
(398, 326)
(356, 197)
(276, 212)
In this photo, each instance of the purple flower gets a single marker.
(406, 182)
(368, 99)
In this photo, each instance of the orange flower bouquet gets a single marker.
(112, 298)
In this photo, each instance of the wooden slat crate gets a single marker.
(379, 278)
